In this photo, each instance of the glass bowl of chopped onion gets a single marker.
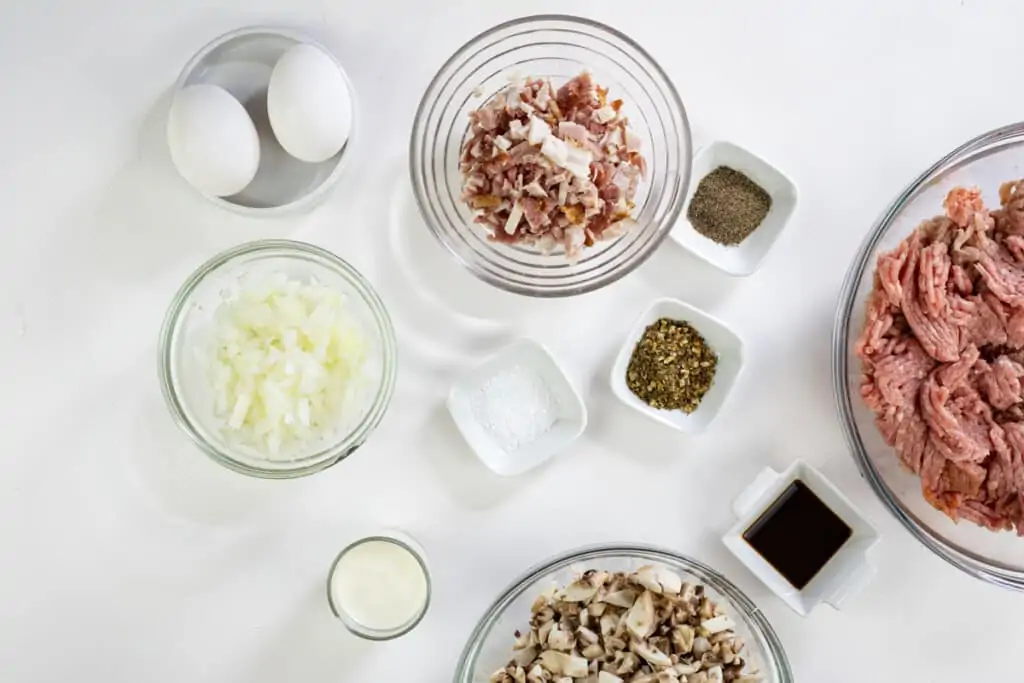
(550, 155)
(277, 359)
(702, 628)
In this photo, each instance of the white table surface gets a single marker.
(125, 555)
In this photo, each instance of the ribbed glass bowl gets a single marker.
(986, 162)
(186, 343)
(558, 48)
(490, 645)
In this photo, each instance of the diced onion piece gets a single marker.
(286, 356)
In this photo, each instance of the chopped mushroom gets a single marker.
(640, 617)
(641, 627)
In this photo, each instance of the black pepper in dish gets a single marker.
(728, 206)
(672, 367)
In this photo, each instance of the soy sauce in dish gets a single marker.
(798, 534)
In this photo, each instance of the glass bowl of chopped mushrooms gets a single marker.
(277, 359)
(623, 613)
(550, 155)
(928, 357)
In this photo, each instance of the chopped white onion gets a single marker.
(286, 354)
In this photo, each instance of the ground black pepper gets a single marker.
(728, 206)
(672, 367)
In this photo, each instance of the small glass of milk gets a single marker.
(379, 586)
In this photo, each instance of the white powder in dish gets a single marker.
(515, 406)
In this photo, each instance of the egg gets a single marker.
(212, 140)
(309, 104)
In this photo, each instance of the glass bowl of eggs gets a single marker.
(277, 359)
(261, 121)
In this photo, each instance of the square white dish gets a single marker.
(746, 257)
(842, 577)
(571, 413)
(726, 343)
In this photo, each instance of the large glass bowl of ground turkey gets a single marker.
(986, 162)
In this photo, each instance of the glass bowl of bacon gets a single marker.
(928, 357)
(550, 155)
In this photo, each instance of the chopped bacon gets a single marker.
(521, 194)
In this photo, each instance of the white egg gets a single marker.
(309, 104)
(212, 139)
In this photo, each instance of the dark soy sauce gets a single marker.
(798, 534)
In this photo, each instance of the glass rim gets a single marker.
(751, 613)
(636, 252)
(335, 452)
(353, 626)
(316, 194)
(990, 571)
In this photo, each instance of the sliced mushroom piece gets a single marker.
(537, 674)
(699, 677)
(500, 676)
(525, 656)
(667, 676)
(647, 576)
(701, 645)
(609, 623)
(621, 598)
(561, 640)
(567, 609)
(544, 616)
(656, 658)
(584, 616)
(596, 609)
(659, 579)
(564, 679)
(625, 663)
(593, 652)
(605, 677)
(748, 679)
(715, 675)
(709, 659)
(613, 644)
(640, 617)
(682, 639)
(642, 677)
(661, 644)
(706, 609)
(587, 636)
(519, 675)
(718, 624)
(540, 603)
(685, 669)
(561, 663)
(545, 631)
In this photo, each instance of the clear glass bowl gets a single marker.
(186, 338)
(241, 61)
(986, 162)
(490, 646)
(354, 626)
(555, 47)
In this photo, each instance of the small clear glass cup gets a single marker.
(350, 622)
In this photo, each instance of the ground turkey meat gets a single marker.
(942, 357)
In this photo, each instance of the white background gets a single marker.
(125, 555)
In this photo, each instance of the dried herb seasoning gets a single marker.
(728, 206)
(672, 367)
